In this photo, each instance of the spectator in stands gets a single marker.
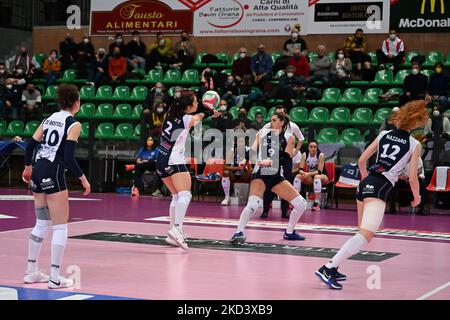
(259, 123)
(31, 101)
(415, 85)
(118, 43)
(301, 64)
(366, 73)
(230, 91)
(320, 67)
(4, 74)
(185, 52)
(84, 53)
(146, 161)
(386, 125)
(295, 42)
(19, 78)
(436, 119)
(52, 67)
(290, 85)
(261, 67)
(67, 49)
(99, 67)
(438, 86)
(27, 63)
(117, 67)
(207, 82)
(242, 121)
(225, 121)
(136, 51)
(161, 51)
(241, 66)
(392, 51)
(341, 69)
(9, 99)
(157, 117)
(355, 47)
(155, 96)
(245, 88)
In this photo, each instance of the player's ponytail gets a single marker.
(180, 105)
(412, 115)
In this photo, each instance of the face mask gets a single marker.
(290, 75)
(53, 56)
(19, 71)
(161, 42)
(294, 35)
(436, 113)
(136, 39)
(242, 55)
(9, 86)
(340, 56)
(86, 40)
(2, 71)
(415, 71)
(160, 110)
(392, 37)
(119, 40)
(223, 107)
(177, 94)
(230, 81)
(157, 90)
(184, 38)
(438, 70)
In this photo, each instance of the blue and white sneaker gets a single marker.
(238, 237)
(328, 276)
(340, 276)
(293, 236)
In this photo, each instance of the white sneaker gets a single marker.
(178, 237)
(157, 193)
(171, 242)
(225, 202)
(60, 283)
(35, 277)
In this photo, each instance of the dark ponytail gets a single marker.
(180, 105)
(284, 118)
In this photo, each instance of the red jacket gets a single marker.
(117, 66)
(301, 65)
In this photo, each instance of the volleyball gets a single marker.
(211, 99)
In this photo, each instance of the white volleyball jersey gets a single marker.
(297, 159)
(293, 129)
(173, 140)
(271, 146)
(312, 161)
(395, 148)
(56, 128)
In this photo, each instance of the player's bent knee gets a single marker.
(372, 215)
(253, 203)
(299, 203)
(184, 197)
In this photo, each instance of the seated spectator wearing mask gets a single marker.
(185, 52)
(259, 123)
(117, 67)
(135, 50)
(157, 117)
(392, 51)
(341, 69)
(290, 86)
(415, 85)
(99, 66)
(4, 74)
(84, 53)
(319, 67)
(52, 67)
(293, 43)
(19, 78)
(438, 86)
(301, 64)
(161, 51)
(241, 66)
(355, 47)
(117, 43)
(67, 49)
(225, 121)
(155, 96)
(242, 121)
(9, 100)
(31, 102)
(230, 91)
(437, 119)
(27, 63)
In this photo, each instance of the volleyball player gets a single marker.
(395, 150)
(171, 161)
(267, 174)
(55, 141)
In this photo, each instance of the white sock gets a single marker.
(297, 184)
(300, 205)
(172, 206)
(317, 189)
(59, 241)
(184, 198)
(350, 248)
(249, 210)
(226, 186)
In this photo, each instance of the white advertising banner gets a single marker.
(250, 18)
(344, 16)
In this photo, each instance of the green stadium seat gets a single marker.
(318, 115)
(136, 133)
(104, 111)
(383, 77)
(122, 111)
(190, 76)
(373, 56)
(371, 96)
(396, 90)
(154, 76)
(137, 111)
(328, 135)
(194, 89)
(409, 56)
(312, 55)
(104, 93)
(298, 115)
(87, 110)
(329, 96)
(50, 93)
(351, 136)
(254, 110)
(198, 60)
(351, 96)
(276, 56)
(361, 116)
(3, 127)
(225, 60)
(172, 76)
(226, 71)
(269, 114)
(84, 132)
(123, 131)
(15, 128)
(427, 72)
(279, 74)
(121, 93)
(400, 76)
(234, 112)
(447, 61)
(30, 128)
(68, 76)
(104, 130)
(381, 115)
(40, 58)
(331, 56)
(433, 57)
(139, 93)
(87, 92)
(340, 116)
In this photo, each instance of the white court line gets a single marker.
(15, 230)
(429, 294)
(5, 216)
(76, 297)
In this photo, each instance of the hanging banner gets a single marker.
(233, 18)
(420, 15)
(344, 17)
(145, 16)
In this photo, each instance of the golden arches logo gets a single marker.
(127, 12)
(432, 6)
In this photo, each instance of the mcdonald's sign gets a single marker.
(432, 6)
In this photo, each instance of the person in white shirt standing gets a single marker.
(392, 51)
